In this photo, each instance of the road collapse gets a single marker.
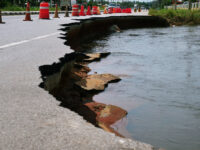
(68, 81)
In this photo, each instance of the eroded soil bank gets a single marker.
(88, 30)
(68, 80)
(75, 88)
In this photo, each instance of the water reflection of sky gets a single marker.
(160, 87)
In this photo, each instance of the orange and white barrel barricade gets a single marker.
(119, 10)
(129, 10)
(114, 10)
(44, 10)
(94, 10)
(75, 11)
(110, 11)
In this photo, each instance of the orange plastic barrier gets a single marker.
(94, 10)
(44, 10)
(75, 10)
(118, 10)
(114, 10)
(110, 11)
(129, 10)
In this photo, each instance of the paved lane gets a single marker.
(30, 118)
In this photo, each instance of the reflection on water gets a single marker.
(160, 87)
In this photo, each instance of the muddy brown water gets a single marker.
(160, 86)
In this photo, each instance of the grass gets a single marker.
(179, 16)
(17, 8)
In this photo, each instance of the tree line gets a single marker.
(22, 3)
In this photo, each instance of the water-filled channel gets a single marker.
(160, 86)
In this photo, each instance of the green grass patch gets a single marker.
(179, 16)
(17, 8)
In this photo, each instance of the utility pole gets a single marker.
(190, 5)
(198, 4)
(50, 3)
(175, 4)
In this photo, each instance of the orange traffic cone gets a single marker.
(105, 11)
(28, 14)
(89, 11)
(82, 13)
(1, 18)
(98, 11)
(56, 12)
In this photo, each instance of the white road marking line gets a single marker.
(25, 41)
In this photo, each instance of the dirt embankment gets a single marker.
(75, 88)
(79, 34)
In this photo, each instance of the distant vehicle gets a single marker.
(113, 5)
(186, 3)
(135, 6)
(177, 1)
(63, 4)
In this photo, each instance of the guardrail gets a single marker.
(194, 6)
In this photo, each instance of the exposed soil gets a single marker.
(68, 80)
(75, 89)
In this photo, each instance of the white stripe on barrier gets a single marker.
(44, 7)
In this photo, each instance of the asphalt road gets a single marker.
(30, 118)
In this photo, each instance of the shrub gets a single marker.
(178, 16)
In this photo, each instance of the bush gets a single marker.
(178, 16)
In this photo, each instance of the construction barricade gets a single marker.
(56, 12)
(82, 12)
(44, 10)
(75, 11)
(94, 10)
(89, 11)
(28, 13)
(1, 18)
(110, 11)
